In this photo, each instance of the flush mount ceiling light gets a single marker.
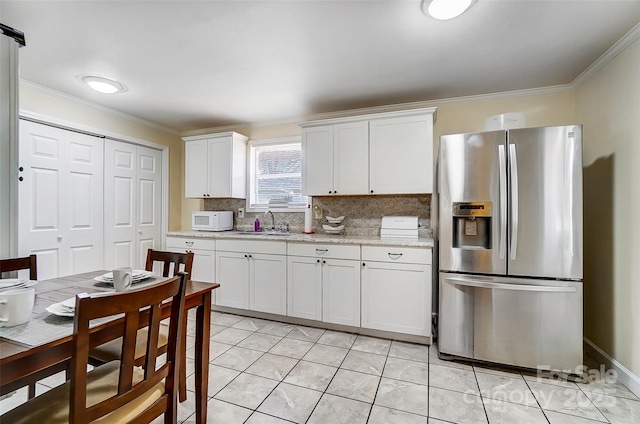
(102, 84)
(445, 9)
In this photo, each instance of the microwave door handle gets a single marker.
(513, 166)
(502, 201)
(502, 286)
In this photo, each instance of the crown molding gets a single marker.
(608, 56)
(68, 97)
(399, 107)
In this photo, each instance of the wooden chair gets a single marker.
(111, 351)
(117, 392)
(17, 264)
(30, 263)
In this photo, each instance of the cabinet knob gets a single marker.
(20, 179)
(363, 264)
(324, 262)
(189, 243)
(318, 261)
(371, 191)
(21, 169)
(329, 191)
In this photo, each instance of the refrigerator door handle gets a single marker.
(519, 287)
(503, 201)
(513, 167)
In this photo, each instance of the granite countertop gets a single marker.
(309, 238)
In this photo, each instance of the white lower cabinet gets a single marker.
(341, 291)
(304, 287)
(252, 275)
(204, 258)
(321, 286)
(396, 289)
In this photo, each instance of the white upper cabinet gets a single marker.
(336, 159)
(385, 153)
(401, 155)
(215, 165)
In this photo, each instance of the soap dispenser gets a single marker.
(256, 225)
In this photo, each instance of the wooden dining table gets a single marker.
(44, 345)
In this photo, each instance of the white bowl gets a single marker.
(337, 220)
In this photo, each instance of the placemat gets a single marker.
(45, 327)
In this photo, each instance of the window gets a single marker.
(275, 178)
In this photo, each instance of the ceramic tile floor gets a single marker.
(270, 372)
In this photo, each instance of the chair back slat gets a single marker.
(17, 264)
(152, 339)
(127, 357)
(141, 308)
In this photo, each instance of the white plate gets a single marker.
(137, 275)
(60, 310)
(9, 283)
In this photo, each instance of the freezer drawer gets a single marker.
(520, 322)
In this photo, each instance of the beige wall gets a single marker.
(609, 106)
(53, 105)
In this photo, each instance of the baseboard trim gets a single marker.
(327, 326)
(625, 376)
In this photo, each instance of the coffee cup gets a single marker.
(16, 306)
(122, 279)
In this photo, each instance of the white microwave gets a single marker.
(212, 220)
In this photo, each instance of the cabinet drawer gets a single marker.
(191, 243)
(408, 255)
(254, 246)
(325, 250)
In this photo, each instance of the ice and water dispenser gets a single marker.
(472, 225)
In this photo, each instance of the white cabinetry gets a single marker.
(401, 155)
(385, 153)
(215, 165)
(396, 289)
(203, 268)
(324, 282)
(252, 275)
(336, 159)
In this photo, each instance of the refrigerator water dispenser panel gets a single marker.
(471, 225)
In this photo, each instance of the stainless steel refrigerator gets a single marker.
(510, 247)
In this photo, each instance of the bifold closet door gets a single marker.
(133, 203)
(60, 199)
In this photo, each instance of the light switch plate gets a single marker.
(240, 213)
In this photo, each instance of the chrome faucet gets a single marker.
(273, 220)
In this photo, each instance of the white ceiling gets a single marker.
(191, 65)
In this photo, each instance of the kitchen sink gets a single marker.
(258, 233)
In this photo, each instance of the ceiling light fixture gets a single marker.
(102, 84)
(446, 9)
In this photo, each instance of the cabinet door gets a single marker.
(232, 272)
(401, 155)
(196, 177)
(351, 158)
(397, 297)
(341, 291)
(268, 283)
(304, 287)
(220, 150)
(317, 161)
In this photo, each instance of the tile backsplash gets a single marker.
(362, 213)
